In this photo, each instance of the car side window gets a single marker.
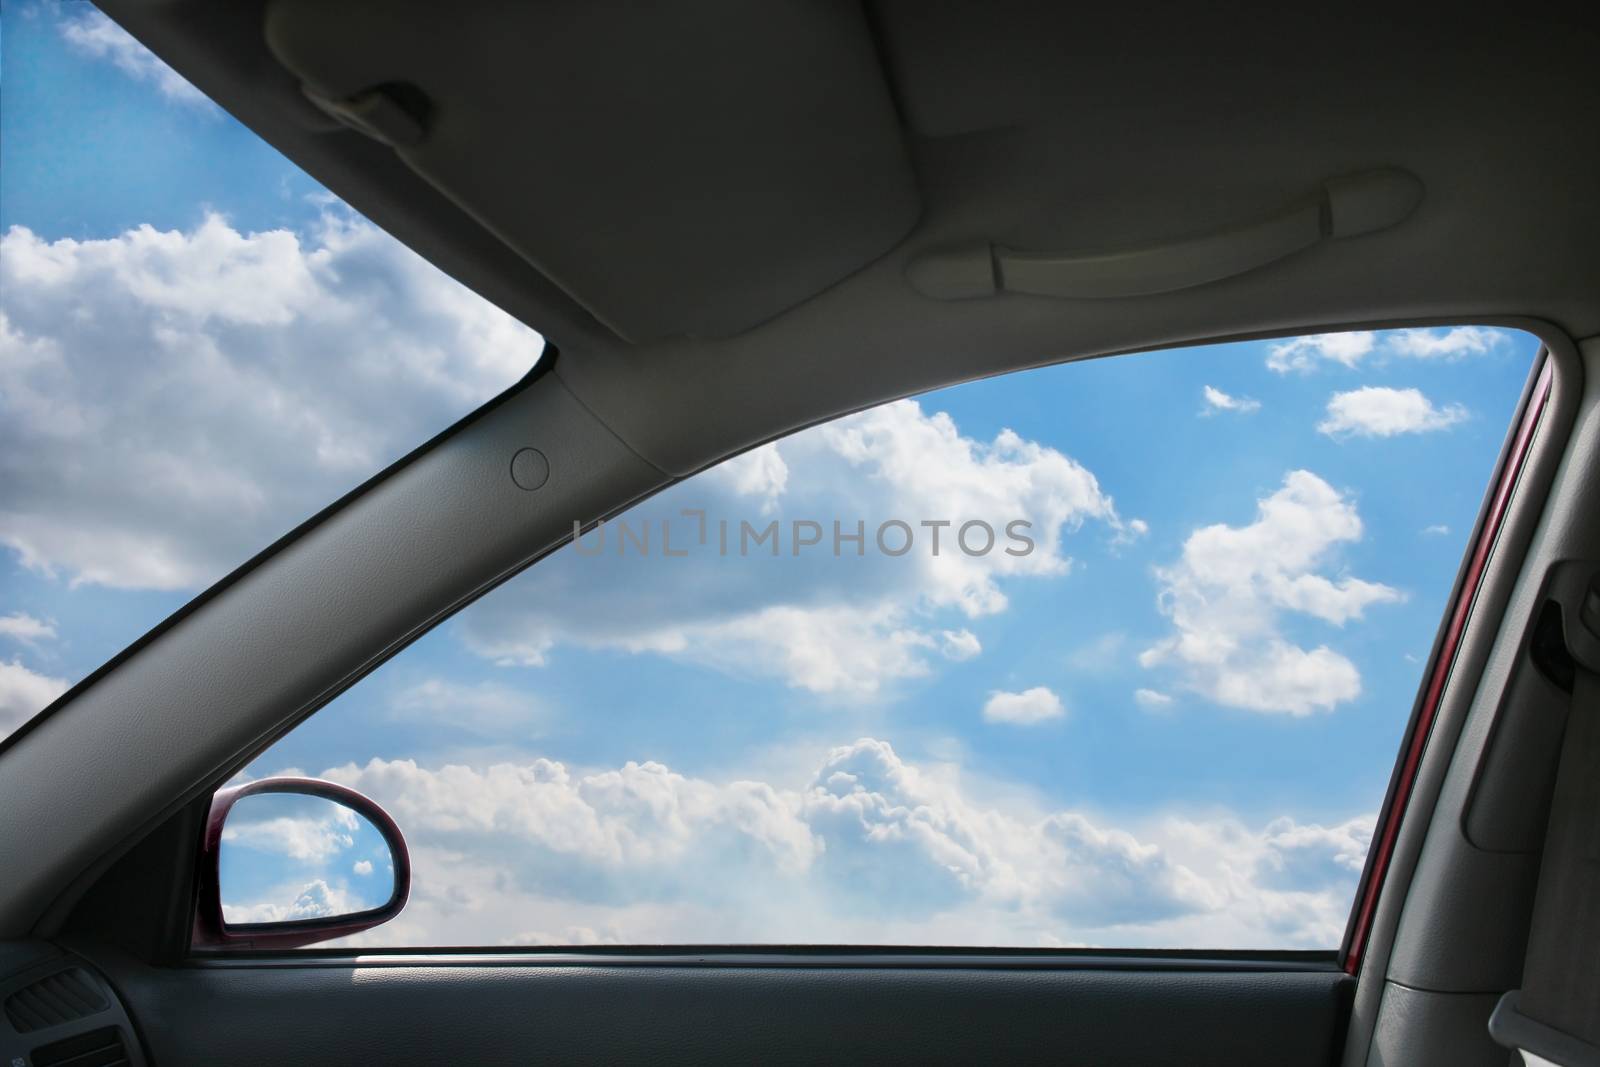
(1113, 653)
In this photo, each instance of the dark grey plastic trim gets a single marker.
(1509, 1027)
(494, 1012)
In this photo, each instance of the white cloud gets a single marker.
(172, 402)
(92, 34)
(1216, 400)
(1152, 698)
(871, 849)
(608, 838)
(1339, 849)
(24, 693)
(1306, 353)
(95, 35)
(315, 900)
(1445, 344)
(572, 936)
(760, 473)
(26, 629)
(959, 645)
(845, 625)
(1377, 411)
(1438, 529)
(1227, 593)
(362, 867)
(1026, 708)
(309, 839)
(919, 467)
(827, 648)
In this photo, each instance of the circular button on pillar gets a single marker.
(529, 469)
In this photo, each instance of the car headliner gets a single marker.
(1043, 127)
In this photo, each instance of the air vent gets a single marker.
(97, 1048)
(59, 998)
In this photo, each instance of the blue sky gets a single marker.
(1169, 725)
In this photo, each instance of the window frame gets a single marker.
(182, 893)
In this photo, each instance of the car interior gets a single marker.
(733, 221)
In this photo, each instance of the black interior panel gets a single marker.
(340, 1013)
(58, 1011)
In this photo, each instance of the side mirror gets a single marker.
(287, 862)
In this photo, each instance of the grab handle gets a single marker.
(1343, 207)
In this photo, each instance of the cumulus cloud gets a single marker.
(843, 617)
(959, 645)
(1377, 411)
(1226, 596)
(871, 849)
(1152, 698)
(306, 838)
(1026, 708)
(315, 900)
(362, 867)
(639, 816)
(92, 34)
(1438, 529)
(572, 936)
(25, 629)
(824, 648)
(1307, 353)
(1446, 344)
(1216, 400)
(760, 474)
(255, 377)
(919, 467)
(1298, 855)
(24, 693)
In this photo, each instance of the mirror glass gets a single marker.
(285, 857)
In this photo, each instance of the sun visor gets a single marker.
(679, 169)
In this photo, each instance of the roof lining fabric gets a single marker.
(688, 170)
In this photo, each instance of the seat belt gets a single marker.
(1555, 1017)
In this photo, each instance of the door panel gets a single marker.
(430, 1012)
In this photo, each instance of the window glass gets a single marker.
(199, 347)
(1115, 653)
